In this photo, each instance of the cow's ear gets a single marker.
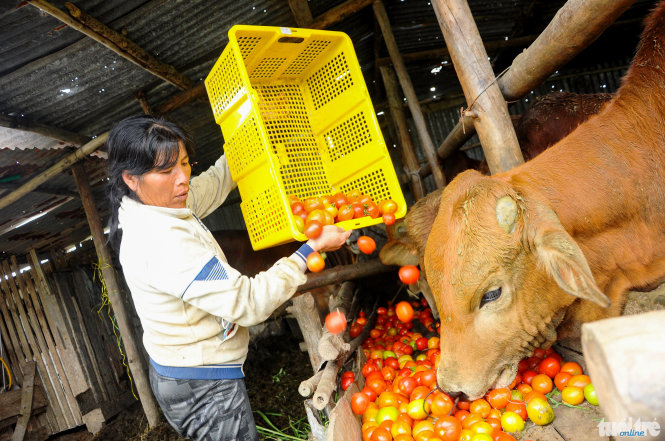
(562, 257)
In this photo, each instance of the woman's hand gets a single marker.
(331, 238)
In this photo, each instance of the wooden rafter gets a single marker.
(438, 54)
(56, 168)
(27, 125)
(574, 27)
(301, 12)
(118, 43)
(339, 13)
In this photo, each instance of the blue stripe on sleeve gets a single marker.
(213, 270)
(304, 251)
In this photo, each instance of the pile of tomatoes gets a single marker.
(400, 400)
(311, 214)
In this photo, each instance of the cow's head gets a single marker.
(502, 270)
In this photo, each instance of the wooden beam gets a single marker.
(441, 53)
(301, 12)
(577, 24)
(43, 188)
(135, 359)
(116, 42)
(196, 92)
(409, 93)
(484, 99)
(339, 13)
(26, 125)
(143, 101)
(56, 168)
(630, 344)
(411, 164)
(342, 273)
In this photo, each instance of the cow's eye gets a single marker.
(490, 296)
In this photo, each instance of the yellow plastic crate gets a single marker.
(297, 120)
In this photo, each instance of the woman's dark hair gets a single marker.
(138, 144)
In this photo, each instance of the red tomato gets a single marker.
(542, 383)
(561, 380)
(315, 262)
(572, 368)
(353, 195)
(355, 330)
(448, 428)
(347, 382)
(346, 374)
(366, 244)
(518, 407)
(441, 404)
(313, 204)
(335, 321)
(421, 343)
(358, 210)
(579, 381)
(409, 274)
(313, 229)
(359, 402)
(527, 376)
(498, 398)
(345, 212)
(480, 407)
(404, 311)
(339, 199)
(297, 207)
(388, 206)
(372, 210)
(388, 218)
(550, 366)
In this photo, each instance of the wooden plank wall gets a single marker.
(51, 317)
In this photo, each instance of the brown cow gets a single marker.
(548, 120)
(516, 259)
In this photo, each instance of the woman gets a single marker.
(194, 308)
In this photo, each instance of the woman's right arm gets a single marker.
(189, 271)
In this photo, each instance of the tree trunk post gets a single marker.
(409, 93)
(486, 104)
(411, 164)
(134, 357)
(577, 24)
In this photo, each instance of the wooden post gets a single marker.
(624, 356)
(56, 168)
(309, 322)
(135, 360)
(577, 24)
(301, 12)
(411, 164)
(492, 120)
(26, 403)
(409, 93)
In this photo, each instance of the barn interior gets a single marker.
(69, 72)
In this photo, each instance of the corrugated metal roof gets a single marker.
(54, 75)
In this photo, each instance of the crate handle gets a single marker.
(291, 40)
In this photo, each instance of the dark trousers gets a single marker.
(205, 410)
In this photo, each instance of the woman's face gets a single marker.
(163, 188)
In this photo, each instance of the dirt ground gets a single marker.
(274, 368)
